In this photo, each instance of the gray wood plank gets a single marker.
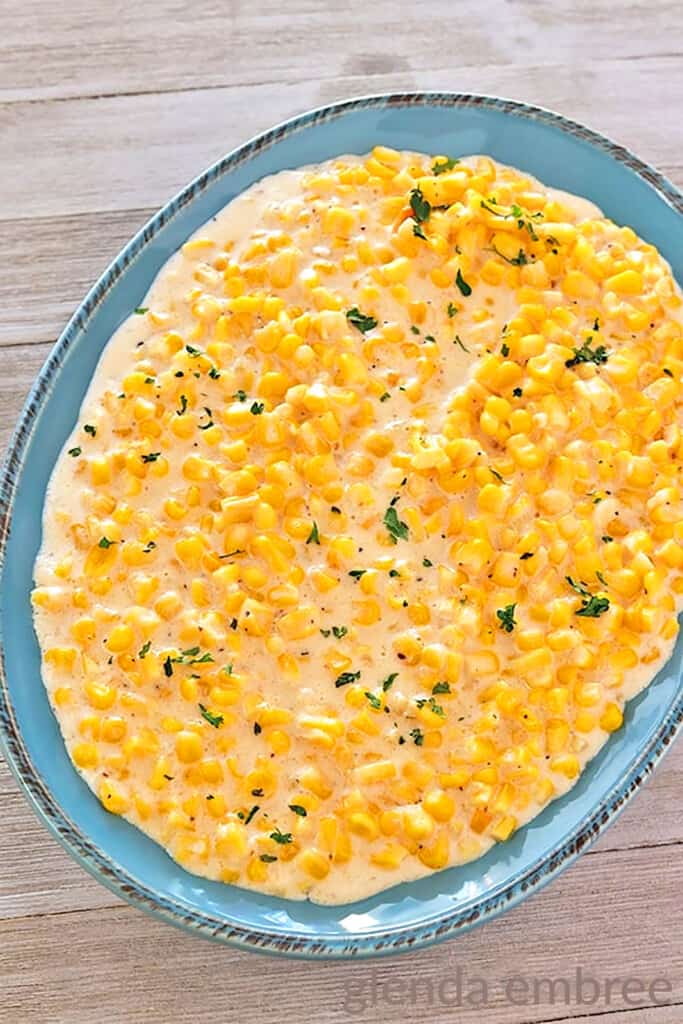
(119, 964)
(132, 152)
(160, 47)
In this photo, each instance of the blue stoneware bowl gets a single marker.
(560, 153)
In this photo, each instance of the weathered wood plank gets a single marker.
(131, 968)
(153, 48)
(132, 152)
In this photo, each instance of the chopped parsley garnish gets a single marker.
(89, 429)
(667, 372)
(314, 535)
(168, 667)
(298, 809)
(267, 858)
(191, 351)
(594, 607)
(104, 542)
(396, 527)
(606, 539)
(183, 405)
(580, 588)
(326, 632)
(150, 457)
(527, 554)
(505, 349)
(427, 564)
(281, 837)
(374, 700)
(441, 688)
(257, 792)
(507, 617)
(335, 509)
(601, 578)
(420, 206)
(339, 632)
(149, 546)
(357, 573)
(240, 395)
(414, 329)
(441, 166)
(257, 729)
(418, 232)
(360, 321)
(457, 340)
(385, 397)
(255, 809)
(431, 703)
(145, 649)
(345, 678)
(517, 392)
(74, 452)
(389, 681)
(213, 373)
(215, 720)
(496, 474)
(256, 408)
(451, 309)
(586, 354)
(417, 736)
(141, 310)
(394, 573)
(465, 288)
(520, 260)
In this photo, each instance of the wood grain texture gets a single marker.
(105, 111)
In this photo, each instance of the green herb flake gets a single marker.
(396, 527)
(74, 452)
(507, 617)
(601, 578)
(192, 351)
(183, 405)
(215, 720)
(89, 429)
(168, 667)
(240, 395)
(267, 858)
(441, 688)
(417, 736)
(426, 562)
(141, 310)
(314, 535)
(104, 542)
(667, 372)
(418, 232)
(465, 288)
(389, 681)
(298, 809)
(414, 329)
(145, 649)
(431, 703)
(214, 374)
(594, 607)
(457, 340)
(255, 809)
(373, 700)
(150, 457)
(256, 408)
(496, 474)
(441, 166)
(339, 632)
(586, 354)
(451, 309)
(357, 573)
(385, 397)
(505, 350)
(517, 392)
(420, 206)
(527, 554)
(281, 837)
(345, 678)
(606, 539)
(360, 321)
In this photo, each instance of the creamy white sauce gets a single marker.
(69, 500)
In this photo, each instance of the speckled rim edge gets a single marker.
(95, 860)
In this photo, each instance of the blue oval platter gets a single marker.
(562, 154)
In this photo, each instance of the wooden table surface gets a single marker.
(106, 109)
